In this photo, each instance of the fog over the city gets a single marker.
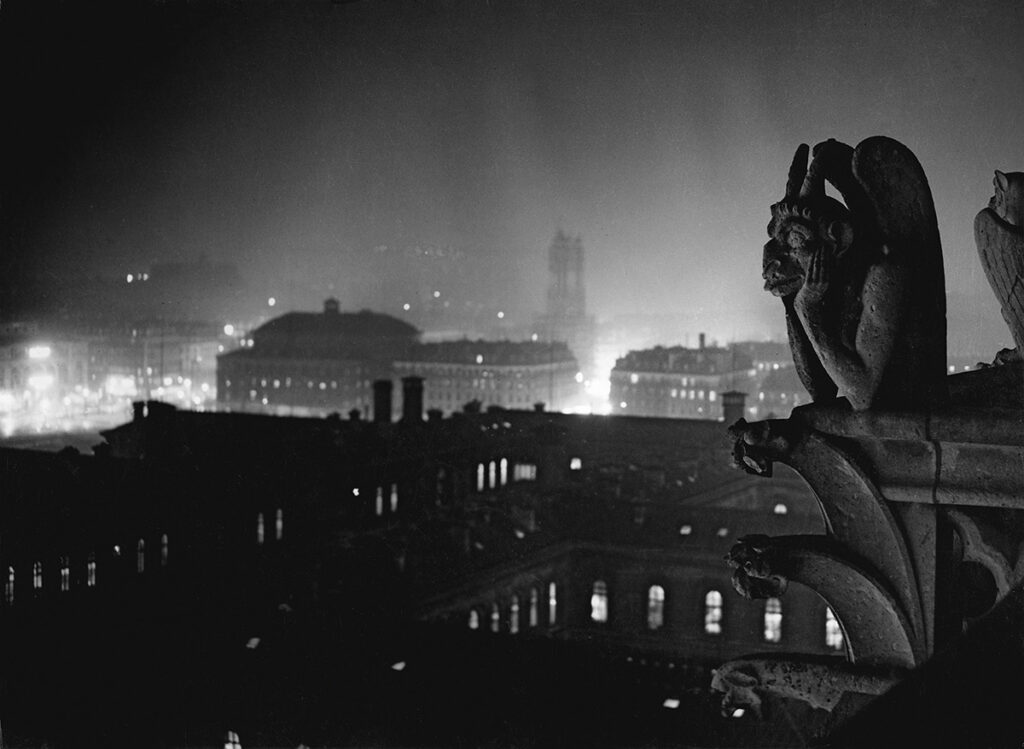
(298, 139)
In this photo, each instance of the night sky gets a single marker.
(293, 137)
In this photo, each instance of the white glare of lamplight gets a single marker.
(271, 302)
(129, 278)
(671, 703)
(739, 712)
(168, 381)
(437, 295)
(229, 329)
(400, 666)
(355, 491)
(406, 307)
(39, 352)
(40, 381)
(253, 643)
(501, 315)
(533, 337)
(479, 358)
(579, 377)
(204, 387)
(519, 533)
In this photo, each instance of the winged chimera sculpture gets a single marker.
(999, 234)
(862, 283)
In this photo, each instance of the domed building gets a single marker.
(308, 363)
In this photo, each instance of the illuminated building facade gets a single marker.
(496, 373)
(41, 375)
(678, 382)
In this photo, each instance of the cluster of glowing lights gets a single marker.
(136, 277)
(39, 352)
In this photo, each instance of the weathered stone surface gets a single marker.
(862, 284)
(999, 234)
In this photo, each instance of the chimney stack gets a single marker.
(412, 400)
(703, 340)
(382, 401)
(733, 406)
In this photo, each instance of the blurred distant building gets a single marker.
(41, 373)
(495, 373)
(679, 382)
(566, 318)
(308, 363)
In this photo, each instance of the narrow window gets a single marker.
(713, 612)
(394, 498)
(495, 618)
(231, 741)
(259, 528)
(140, 556)
(37, 575)
(378, 506)
(773, 620)
(492, 474)
(9, 587)
(65, 575)
(655, 607)
(480, 475)
(513, 615)
(599, 602)
(552, 604)
(279, 524)
(833, 632)
(534, 600)
(780, 509)
(164, 550)
(474, 619)
(503, 471)
(90, 571)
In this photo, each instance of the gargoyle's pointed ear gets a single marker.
(797, 172)
(1001, 180)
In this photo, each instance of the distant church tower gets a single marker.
(566, 293)
(565, 317)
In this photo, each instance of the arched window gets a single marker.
(513, 615)
(495, 618)
(655, 607)
(833, 632)
(552, 604)
(65, 575)
(534, 599)
(165, 550)
(713, 612)
(599, 602)
(9, 587)
(259, 529)
(140, 556)
(37, 575)
(503, 471)
(480, 476)
(378, 506)
(90, 570)
(279, 524)
(773, 620)
(474, 619)
(492, 474)
(394, 498)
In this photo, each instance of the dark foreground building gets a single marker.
(505, 577)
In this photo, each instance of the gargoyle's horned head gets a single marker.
(804, 220)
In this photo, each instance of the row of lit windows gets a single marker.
(278, 526)
(713, 614)
(64, 567)
(495, 473)
(515, 614)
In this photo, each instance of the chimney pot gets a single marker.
(382, 401)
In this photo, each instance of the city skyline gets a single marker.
(293, 138)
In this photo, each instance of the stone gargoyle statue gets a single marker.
(862, 283)
(999, 234)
